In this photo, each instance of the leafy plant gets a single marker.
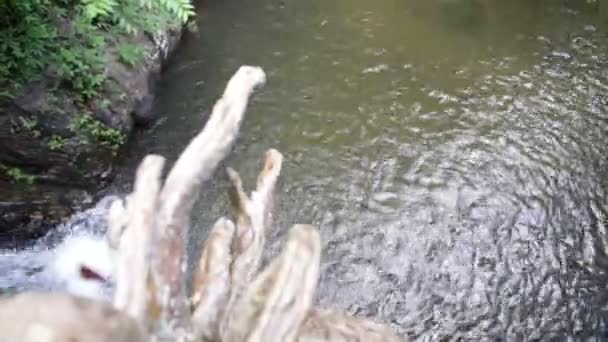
(127, 15)
(26, 39)
(105, 135)
(6, 94)
(57, 143)
(69, 37)
(20, 176)
(131, 54)
(30, 125)
(82, 70)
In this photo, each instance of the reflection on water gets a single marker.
(453, 153)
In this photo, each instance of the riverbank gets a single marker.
(57, 150)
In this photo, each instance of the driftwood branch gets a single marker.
(118, 219)
(252, 217)
(277, 302)
(212, 281)
(132, 269)
(195, 166)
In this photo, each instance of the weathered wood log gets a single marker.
(212, 280)
(252, 221)
(118, 219)
(39, 317)
(245, 248)
(278, 300)
(195, 166)
(133, 268)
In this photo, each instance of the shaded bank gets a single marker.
(56, 152)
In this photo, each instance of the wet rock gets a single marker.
(25, 145)
(48, 159)
(28, 212)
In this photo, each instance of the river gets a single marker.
(452, 153)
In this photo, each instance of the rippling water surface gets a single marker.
(453, 153)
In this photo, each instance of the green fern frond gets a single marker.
(92, 9)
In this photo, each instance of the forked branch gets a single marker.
(132, 267)
(211, 286)
(195, 166)
(252, 219)
(276, 303)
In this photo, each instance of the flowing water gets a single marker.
(452, 153)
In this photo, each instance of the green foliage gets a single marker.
(69, 37)
(19, 176)
(127, 15)
(99, 8)
(82, 70)
(5, 94)
(131, 54)
(30, 125)
(110, 137)
(57, 143)
(26, 39)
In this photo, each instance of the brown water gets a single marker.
(452, 153)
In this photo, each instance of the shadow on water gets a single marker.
(453, 153)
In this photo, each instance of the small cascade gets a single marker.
(73, 257)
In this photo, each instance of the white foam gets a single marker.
(54, 262)
(75, 252)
